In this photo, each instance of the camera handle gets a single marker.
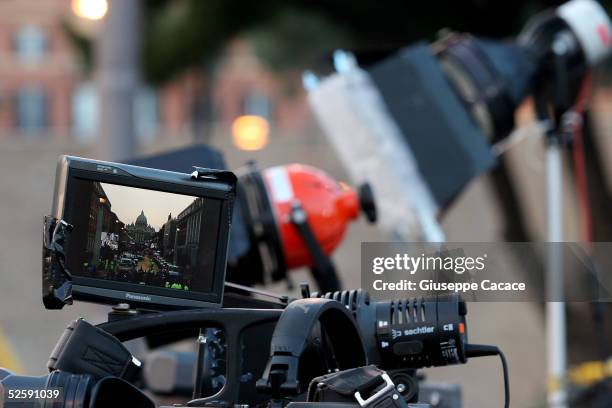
(290, 340)
(232, 321)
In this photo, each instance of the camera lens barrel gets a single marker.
(57, 389)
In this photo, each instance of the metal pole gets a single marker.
(555, 307)
(117, 78)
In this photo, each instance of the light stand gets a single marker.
(555, 308)
(557, 104)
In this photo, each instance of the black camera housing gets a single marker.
(212, 190)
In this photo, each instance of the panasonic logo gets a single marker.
(138, 297)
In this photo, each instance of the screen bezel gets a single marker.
(112, 292)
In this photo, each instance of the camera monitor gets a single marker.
(144, 236)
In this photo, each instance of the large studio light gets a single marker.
(420, 125)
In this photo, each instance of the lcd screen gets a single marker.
(146, 239)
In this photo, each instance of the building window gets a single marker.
(85, 112)
(146, 114)
(31, 110)
(258, 104)
(30, 44)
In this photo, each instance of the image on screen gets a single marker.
(138, 236)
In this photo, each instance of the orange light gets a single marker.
(90, 9)
(461, 328)
(250, 132)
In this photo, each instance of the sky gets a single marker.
(128, 202)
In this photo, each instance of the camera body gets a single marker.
(158, 240)
(146, 237)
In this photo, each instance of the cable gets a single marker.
(579, 157)
(481, 350)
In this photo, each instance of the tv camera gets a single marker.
(153, 243)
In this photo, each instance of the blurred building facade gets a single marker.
(39, 73)
(46, 95)
(167, 232)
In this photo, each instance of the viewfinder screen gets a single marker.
(142, 237)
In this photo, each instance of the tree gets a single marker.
(183, 34)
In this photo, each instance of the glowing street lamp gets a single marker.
(90, 9)
(250, 132)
